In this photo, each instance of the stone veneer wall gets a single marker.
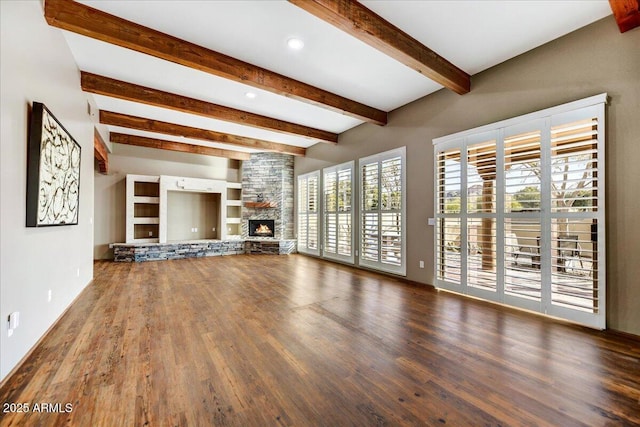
(270, 174)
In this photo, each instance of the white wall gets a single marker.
(36, 65)
(187, 210)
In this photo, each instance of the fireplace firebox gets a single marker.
(262, 227)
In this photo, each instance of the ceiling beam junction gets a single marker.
(100, 152)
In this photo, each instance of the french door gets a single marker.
(337, 202)
(382, 211)
(308, 213)
(520, 212)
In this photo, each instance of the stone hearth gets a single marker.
(141, 252)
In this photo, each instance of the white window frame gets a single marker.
(348, 166)
(303, 182)
(544, 120)
(400, 269)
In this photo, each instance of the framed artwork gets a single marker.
(53, 171)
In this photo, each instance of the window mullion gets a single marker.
(545, 216)
(464, 214)
(500, 210)
(379, 211)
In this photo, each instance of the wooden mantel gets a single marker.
(260, 205)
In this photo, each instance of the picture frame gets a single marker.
(53, 171)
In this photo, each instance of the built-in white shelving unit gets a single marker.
(143, 209)
(234, 210)
(147, 206)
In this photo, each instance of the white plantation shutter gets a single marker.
(520, 212)
(308, 213)
(382, 211)
(370, 225)
(576, 251)
(330, 184)
(481, 207)
(448, 201)
(345, 211)
(338, 212)
(523, 171)
(312, 213)
(523, 174)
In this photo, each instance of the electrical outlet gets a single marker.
(49, 295)
(14, 320)
(151, 234)
(78, 272)
(421, 264)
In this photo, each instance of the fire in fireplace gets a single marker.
(261, 227)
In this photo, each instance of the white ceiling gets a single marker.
(474, 35)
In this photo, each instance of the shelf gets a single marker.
(146, 220)
(233, 230)
(146, 199)
(146, 210)
(146, 188)
(234, 220)
(264, 205)
(234, 202)
(234, 194)
(145, 232)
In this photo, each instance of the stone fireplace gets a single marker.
(267, 194)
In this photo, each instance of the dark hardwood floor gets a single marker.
(291, 340)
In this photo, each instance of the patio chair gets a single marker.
(568, 251)
(526, 250)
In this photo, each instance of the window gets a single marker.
(338, 212)
(519, 209)
(382, 211)
(308, 213)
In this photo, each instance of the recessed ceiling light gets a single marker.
(250, 95)
(295, 44)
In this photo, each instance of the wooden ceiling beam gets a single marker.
(355, 19)
(132, 122)
(87, 21)
(106, 86)
(161, 144)
(627, 13)
(100, 152)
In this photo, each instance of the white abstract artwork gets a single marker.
(54, 172)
